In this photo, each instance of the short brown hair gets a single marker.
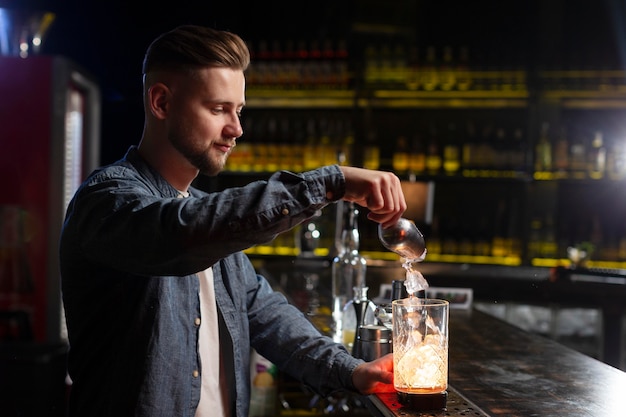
(190, 47)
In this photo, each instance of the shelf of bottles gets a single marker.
(301, 103)
(585, 89)
(315, 74)
(309, 75)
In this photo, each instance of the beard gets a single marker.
(198, 156)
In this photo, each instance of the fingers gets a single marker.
(385, 220)
(394, 203)
(381, 192)
(375, 376)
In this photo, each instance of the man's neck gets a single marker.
(169, 163)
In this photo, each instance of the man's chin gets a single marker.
(210, 166)
(211, 171)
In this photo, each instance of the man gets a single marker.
(162, 307)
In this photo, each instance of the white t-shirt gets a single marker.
(213, 394)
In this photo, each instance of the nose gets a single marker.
(233, 129)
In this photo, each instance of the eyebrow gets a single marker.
(226, 102)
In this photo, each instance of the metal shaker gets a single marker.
(373, 342)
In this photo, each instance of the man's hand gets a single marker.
(374, 376)
(379, 191)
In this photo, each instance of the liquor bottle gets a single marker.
(291, 70)
(324, 150)
(260, 149)
(434, 237)
(463, 77)
(298, 145)
(535, 238)
(371, 153)
(448, 76)
(485, 153)
(430, 76)
(549, 247)
(482, 245)
(341, 66)
(271, 142)
(285, 149)
(417, 155)
(500, 149)
(385, 57)
(543, 151)
(400, 161)
(314, 65)
(518, 151)
(597, 157)
(451, 151)
(577, 155)
(348, 268)
(260, 71)
(413, 68)
(470, 146)
(346, 134)
(311, 155)
(400, 66)
(433, 157)
(561, 154)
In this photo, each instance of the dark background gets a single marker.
(108, 38)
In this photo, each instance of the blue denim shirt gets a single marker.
(129, 253)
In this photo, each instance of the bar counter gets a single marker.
(496, 369)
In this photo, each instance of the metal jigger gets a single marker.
(405, 239)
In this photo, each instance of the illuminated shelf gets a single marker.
(449, 99)
(268, 250)
(471, 259)
(555, 262)
(279, 98)
(305, 99)
(454, 259)
(580, 89)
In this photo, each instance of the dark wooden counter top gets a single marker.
(495, 368)
(506, 371)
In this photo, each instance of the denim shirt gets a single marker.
(130, 250)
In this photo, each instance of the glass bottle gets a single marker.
(597, 157)
(543, 151)
(451, 151)
(417, 155)
(371, 152)
(348, 267)
(433, 157)
(400, 161)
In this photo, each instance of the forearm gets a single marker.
(148, 234)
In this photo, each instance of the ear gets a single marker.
(158, 100)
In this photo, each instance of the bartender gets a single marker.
(162, 306)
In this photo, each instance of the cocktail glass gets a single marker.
(420, 352)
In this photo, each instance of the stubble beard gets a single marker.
(199, 157)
